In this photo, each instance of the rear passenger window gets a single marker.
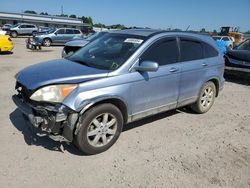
(163, 52)
(76, 31)
(30, 26)
(191, 50)
(209, 51)
(69, 31)
(23, 26)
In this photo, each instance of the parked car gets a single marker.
(238, 59)
(6, 44)
(58, 36)
(228, 41)
(119, 78)
(222, 46)
(74, 45)
(6, 27)
(23, 29)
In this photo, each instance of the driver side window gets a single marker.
(163, 52)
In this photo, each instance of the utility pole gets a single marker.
(62, 10)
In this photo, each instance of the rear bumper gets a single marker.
(58, 123)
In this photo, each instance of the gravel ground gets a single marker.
(173, 149)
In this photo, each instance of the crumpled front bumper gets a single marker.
(58, 122)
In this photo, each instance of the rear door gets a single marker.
(193, 69)
(69, 35)
(23, 29)
(30, 28)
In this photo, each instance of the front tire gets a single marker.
(47, 42)
(100, 128)
(13, 34)
(206, 98)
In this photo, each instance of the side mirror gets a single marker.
(147, 66)
(55, 33)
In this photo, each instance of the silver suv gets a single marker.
(58, 36)
(23, 29)
(119, 78)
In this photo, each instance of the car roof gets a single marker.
(140, 32)
(25, 24)
(67, 28)
(148, 33)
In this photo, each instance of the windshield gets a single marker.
(95, 36)
(108, 52)
(245, 45)
(15, 25)
(50, 30)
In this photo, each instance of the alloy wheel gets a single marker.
(101, 130)
(207, 97)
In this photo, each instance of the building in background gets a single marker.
(41, 20)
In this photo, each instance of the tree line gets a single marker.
(89, 20)
(85, 19)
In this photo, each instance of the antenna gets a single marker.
(187, 28)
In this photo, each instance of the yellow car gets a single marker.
(6, 44)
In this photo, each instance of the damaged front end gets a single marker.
(53, 119)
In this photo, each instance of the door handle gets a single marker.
(173, 69)
(204, 64)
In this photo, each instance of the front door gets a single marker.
(59, 36)
(160, 89)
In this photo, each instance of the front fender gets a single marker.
(82, 99)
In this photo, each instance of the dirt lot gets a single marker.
(173, 149)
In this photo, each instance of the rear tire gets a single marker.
(100, 128)
(206, 98)
(34, 33)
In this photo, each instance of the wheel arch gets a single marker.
(118, 102)
(47, 38)
(216, 83)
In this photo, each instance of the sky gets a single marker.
(163, 14)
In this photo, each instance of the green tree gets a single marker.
(63, 15)
(44, 13)
(87, 19)
(72, 16)
(100, 25)
(30, 12)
